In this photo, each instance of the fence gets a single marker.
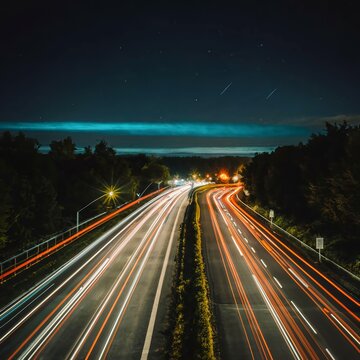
(302, 243)
(30, 256)
(42, 246)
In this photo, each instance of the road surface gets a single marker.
(110, 300)
(269, 302)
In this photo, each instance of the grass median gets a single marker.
(192, 324)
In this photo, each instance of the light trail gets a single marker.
(279, 323)
(88, 274)
(308, 342)
(150, 330)
(316, 295)
(24, 318)
(230, 269)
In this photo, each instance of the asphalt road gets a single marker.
(269, 302)
(109, 301)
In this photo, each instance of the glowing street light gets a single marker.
(110, 193)
(223, 177)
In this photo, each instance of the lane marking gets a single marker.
(239, 231)
(263, 262)
(278, 321)
(52, 326)
(278, 282)
(302, 315)
(298, 277)
(253, 250)
(150, 329)
(246, 239)
(330, 354)
(237, 246)
(338, 321)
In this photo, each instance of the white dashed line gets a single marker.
(301, 314)
(299, 278)
(278, 282)
(330, 354)
(262, 261)
(338, 321)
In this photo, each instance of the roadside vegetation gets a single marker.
(314, 190)
(41, 193)
(191, 324)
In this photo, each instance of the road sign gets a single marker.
(271, 216)
(320, 243)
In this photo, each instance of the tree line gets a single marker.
(41, 193)
(315, 185)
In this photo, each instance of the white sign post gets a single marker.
(319, 245)
(271, 216)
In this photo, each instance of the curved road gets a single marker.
(110, 300)
(270, 303)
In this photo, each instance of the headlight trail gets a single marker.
(109, 271)
(273, 267)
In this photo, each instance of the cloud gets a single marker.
(161, 129)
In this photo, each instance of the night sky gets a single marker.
(160, 75)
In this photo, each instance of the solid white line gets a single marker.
(278, 282)
(72, 261)
(298, 310)
(91, 325)
(134, 283)
(263, 262)
(298, 277)
(330, 354)
(150, 329)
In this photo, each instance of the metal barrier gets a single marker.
(302, 243)
(32, 255)
(42, 246)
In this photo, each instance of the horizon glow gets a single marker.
(160, 129)
(245, 151)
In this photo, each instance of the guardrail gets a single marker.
(39, 251)
(302, 243)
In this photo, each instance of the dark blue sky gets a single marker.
(169, 63)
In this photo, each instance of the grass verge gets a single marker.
(192, 325)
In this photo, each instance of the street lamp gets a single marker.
(139, 195)
(110, 194)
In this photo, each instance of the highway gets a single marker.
(110, 300)
(269, 302)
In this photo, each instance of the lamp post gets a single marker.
(110, 194)
(139, 195)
